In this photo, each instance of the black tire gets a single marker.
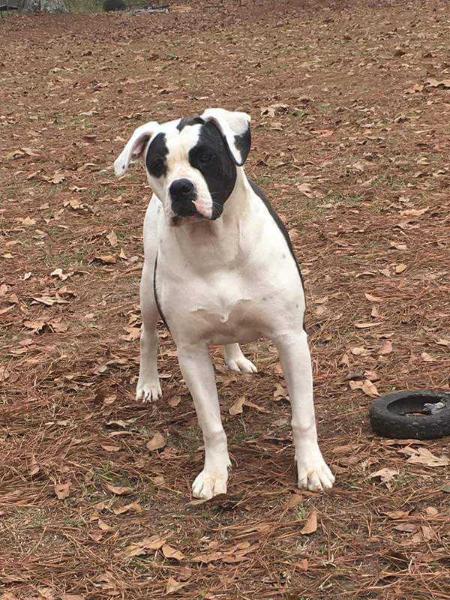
(390, 415)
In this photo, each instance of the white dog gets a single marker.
(219, 269)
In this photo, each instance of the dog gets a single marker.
(219, 268)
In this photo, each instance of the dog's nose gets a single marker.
(183, 194)
(182, 189)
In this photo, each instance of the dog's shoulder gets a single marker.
(279, 223)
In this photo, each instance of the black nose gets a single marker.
(182, 189)
(183, 194)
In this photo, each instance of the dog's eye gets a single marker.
(157, 166)
(205, 157)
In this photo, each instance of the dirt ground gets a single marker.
(350, 112)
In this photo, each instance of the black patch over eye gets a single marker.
(156, 156)
(157, 167)
(205, 157)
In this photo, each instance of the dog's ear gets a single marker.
(134, 147)
(235, 129)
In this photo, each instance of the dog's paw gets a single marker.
(241, 365)
(148, 391)
(207, 485)
(313, 472)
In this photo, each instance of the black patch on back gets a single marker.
(258, 191)
(185, 121)
(243, 143)
(156, 156)
(211, 157)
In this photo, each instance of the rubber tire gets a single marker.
(388, 421)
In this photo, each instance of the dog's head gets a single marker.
(191, 163)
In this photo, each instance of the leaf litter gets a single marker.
(355, 165)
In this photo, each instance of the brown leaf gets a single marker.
(422, 456)
(112, 238)
(279, 393)
(106, 259)
(311, 524)
(109, 448)
(104, 526)
(366, 325)
(144, 546)
(386, 475)
(173, 586)
(293, 501)
(397, 514)
(157, 442)
(302, 564)
(174, 401)
(134, 506)
(119, 490)
(427, 357)
(400, 268)
(237, 407)
(62, 490)
(57, 178)
(370, 389)
(414, 212)
(406, 527)
(170, 552)
(372, 298)
(434, 83)
(386, 347)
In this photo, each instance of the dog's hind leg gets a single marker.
(236, 361)
(198, 372)
(148, 387)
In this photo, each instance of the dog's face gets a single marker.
(191, 163)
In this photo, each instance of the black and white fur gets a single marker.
(219, 269)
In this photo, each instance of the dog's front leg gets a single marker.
(198, 373)
(313, 472)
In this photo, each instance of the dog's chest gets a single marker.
(216, 309)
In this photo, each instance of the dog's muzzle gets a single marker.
(183, 195)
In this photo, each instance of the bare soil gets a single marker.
(350, 112)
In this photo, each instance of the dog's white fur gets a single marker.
(228, 281)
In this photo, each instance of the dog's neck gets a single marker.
(215, 243)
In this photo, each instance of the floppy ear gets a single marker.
(134, 147)
(235, 129)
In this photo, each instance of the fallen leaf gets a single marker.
(427, 357)
(237, 407)
(406, 527)
(366, 325)
(386, 347)
(279, 393)
(400, 268)
(370, 389)
(109, 448)
(119, 490)
(434, 83)
(302, 564)
(104, 526)
(397, 514)
(144, 546)
(134, 506)
(170, 552)
(414, 212)
(386, 475)
(173, 586)
(372, 298)
(62, 490)
(311, 524)
(157, 442)
(174, 401)
(106, 259)
(422, 456)
(112, 238)
(293, 501)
